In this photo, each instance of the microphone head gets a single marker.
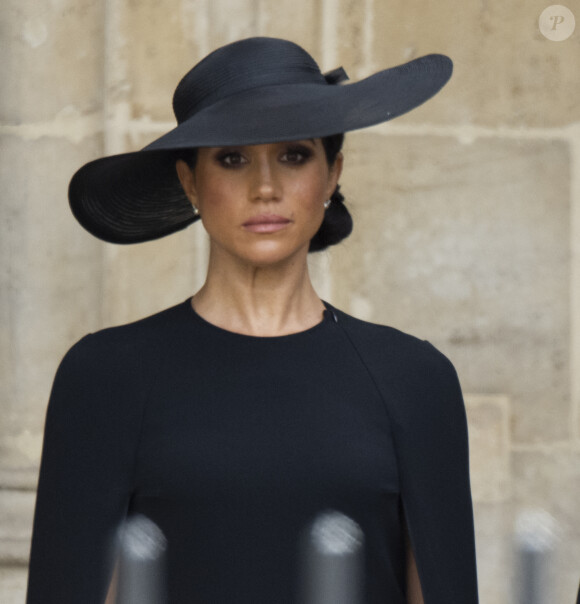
(335, 534)
(535, 530)
(141, 539)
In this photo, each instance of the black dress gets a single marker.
(232, 444)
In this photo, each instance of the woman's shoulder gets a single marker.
(132, 342)
(418, 383)
(387, 344)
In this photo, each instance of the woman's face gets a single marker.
(261, 204)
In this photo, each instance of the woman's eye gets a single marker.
(296, 156)
(232, 159)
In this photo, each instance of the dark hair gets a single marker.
(337, 223)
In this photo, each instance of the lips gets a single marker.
(266, 223)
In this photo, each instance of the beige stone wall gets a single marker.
(467, 223)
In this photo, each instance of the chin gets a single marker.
(271, 253)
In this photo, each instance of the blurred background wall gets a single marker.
(467, 223)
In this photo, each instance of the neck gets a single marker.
(268, 300)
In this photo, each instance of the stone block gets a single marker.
(16, 511)
(50, 283)
(17, 476)
(506, 72)
(156, 46)
(153, 45)
(13, 584)
(467, 245)
(489, 453)
(52, 58)
(352, 26)
(299, 21)
(229, 21)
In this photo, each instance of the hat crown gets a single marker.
(241, 66)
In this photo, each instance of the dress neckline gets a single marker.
(328, 317)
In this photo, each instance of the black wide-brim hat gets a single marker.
(254, 91)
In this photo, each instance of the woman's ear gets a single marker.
(187, 180)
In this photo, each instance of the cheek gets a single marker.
(309, 207)
(213, 209)
(311, 192)
(216, 198)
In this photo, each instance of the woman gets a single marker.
(234, 418)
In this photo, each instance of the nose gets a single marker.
(265, 181)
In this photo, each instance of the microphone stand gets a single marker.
(332, 561)
(534, 539)
(142, 548)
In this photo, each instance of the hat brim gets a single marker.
(136, 197)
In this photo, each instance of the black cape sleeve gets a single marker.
(421, 392)
(91, 436)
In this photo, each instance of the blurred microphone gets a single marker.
(332, 561)
(535, 539)
(142, 548)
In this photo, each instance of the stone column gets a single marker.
(50, 270)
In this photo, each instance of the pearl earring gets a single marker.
(327, 204)
(195, 210)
